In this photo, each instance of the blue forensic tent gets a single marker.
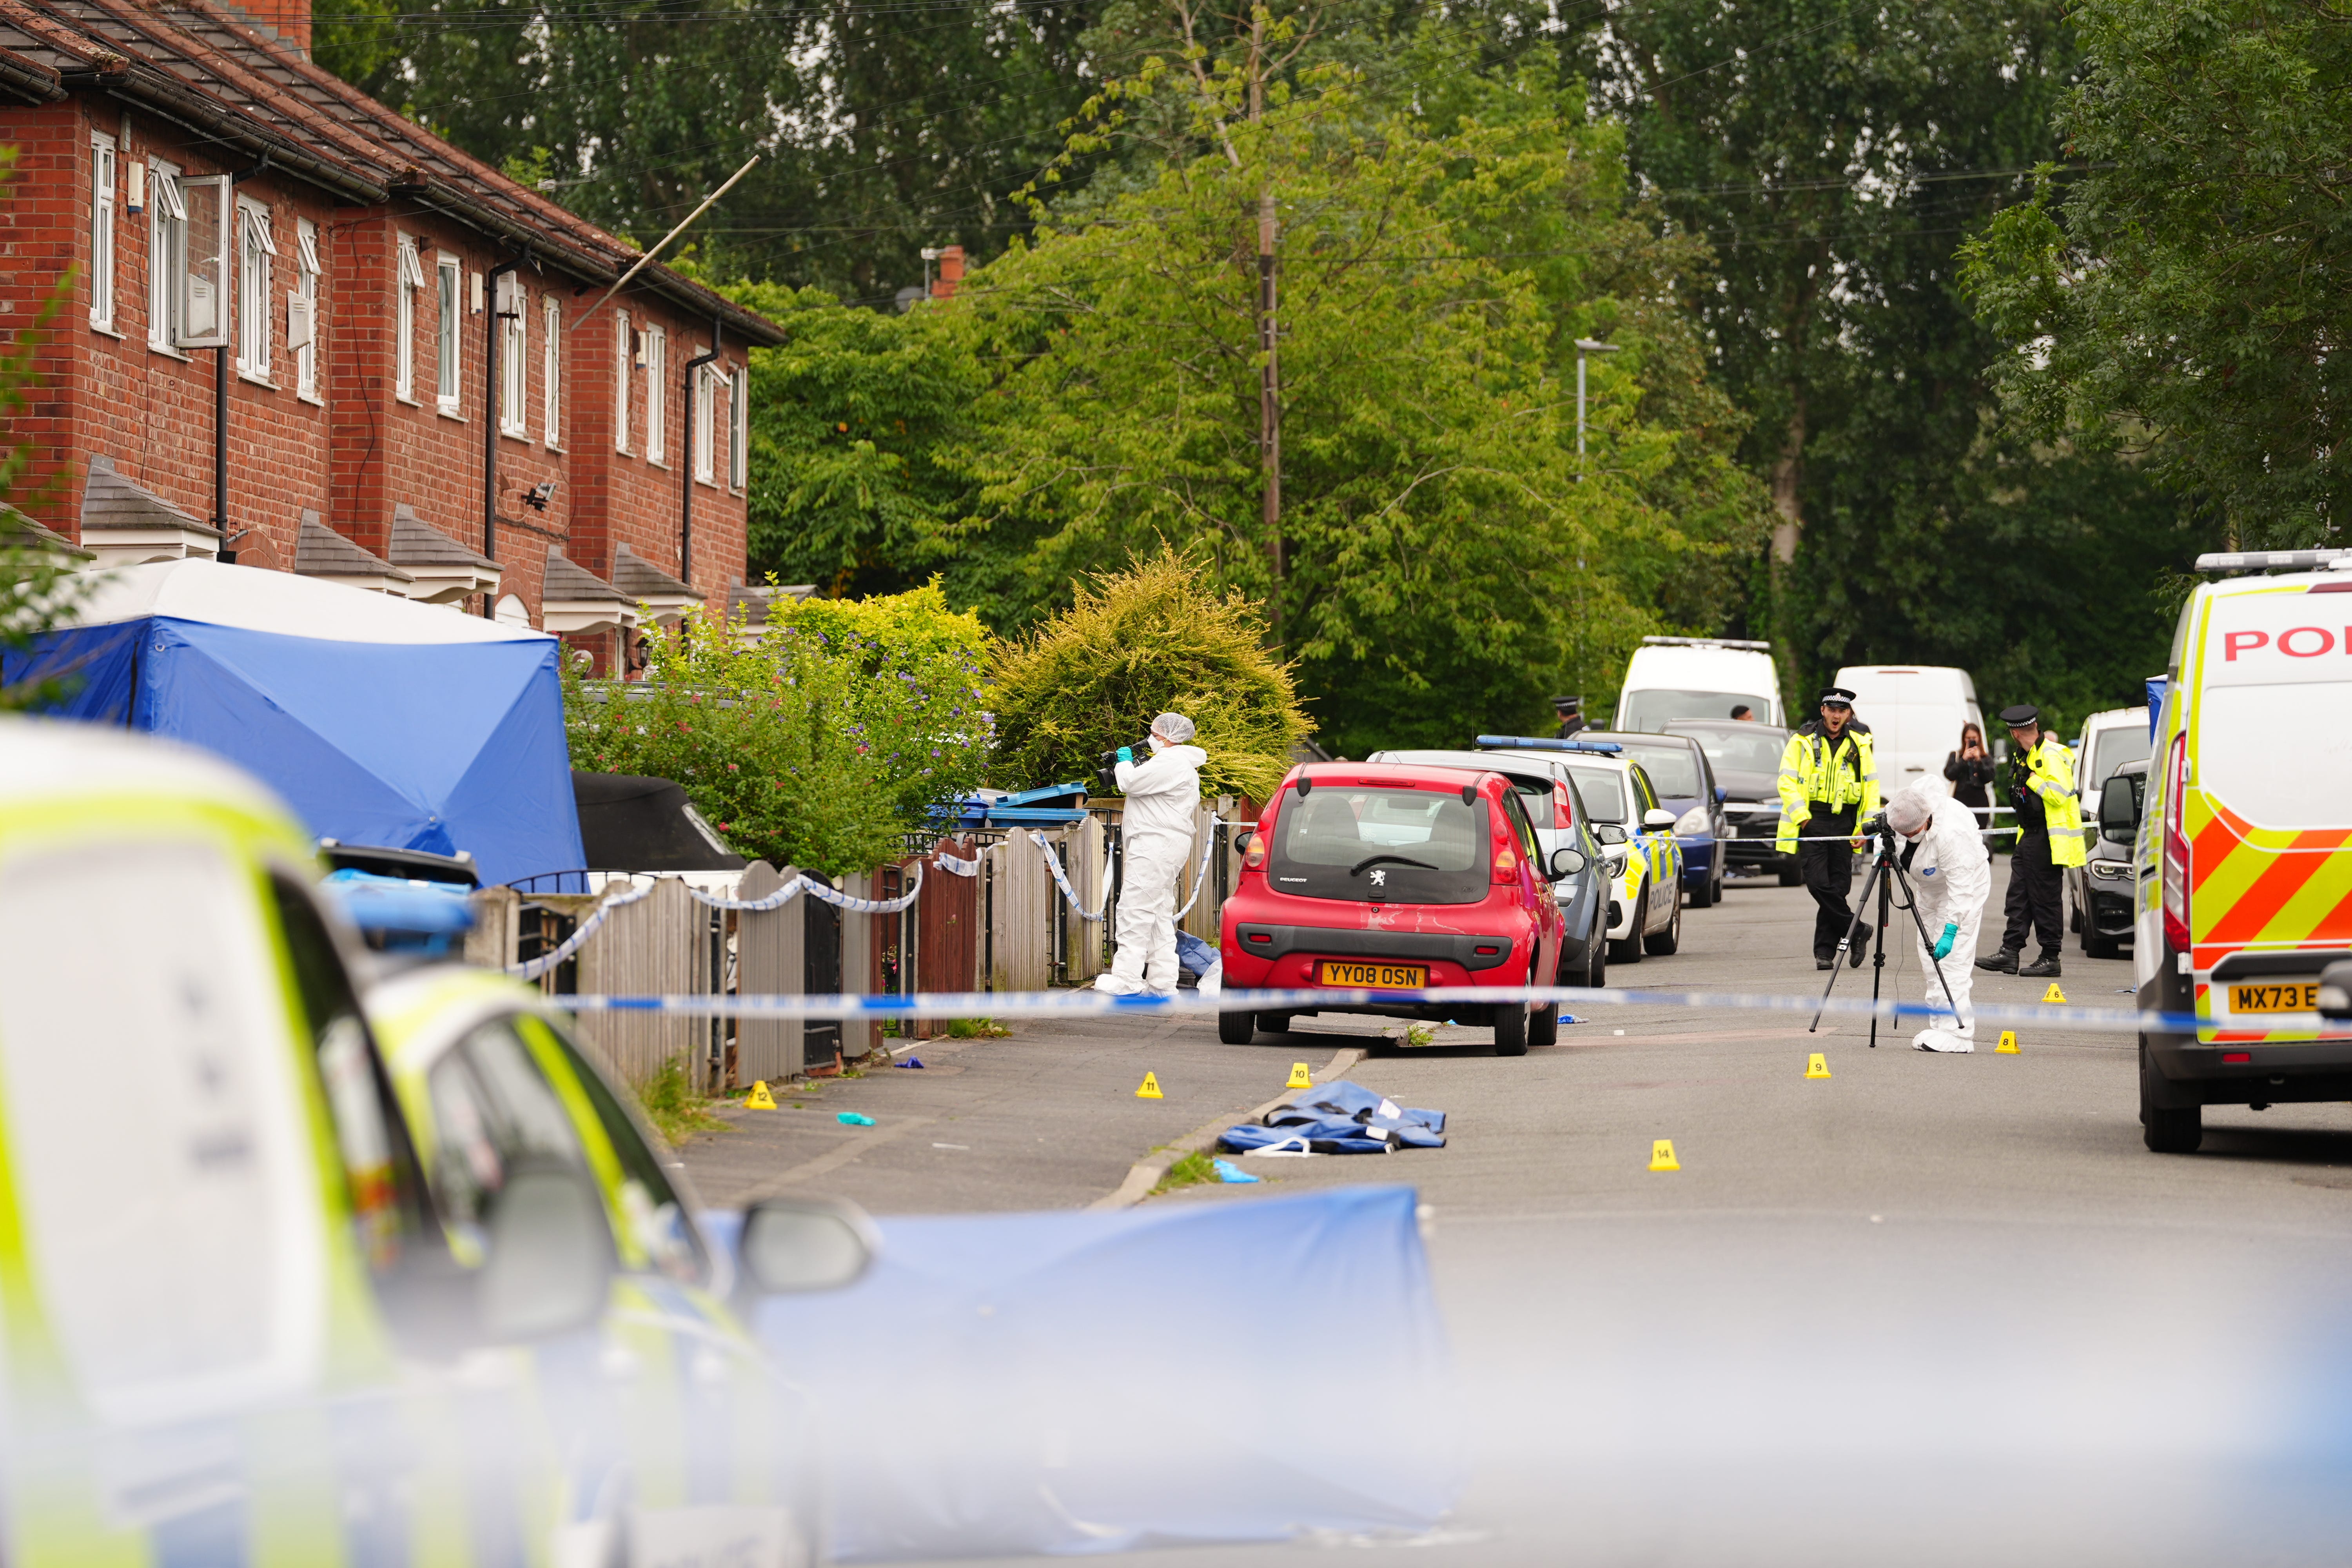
(379, 721)
(1079, 1383)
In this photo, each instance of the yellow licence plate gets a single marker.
(1377, 976)
(2288, 996)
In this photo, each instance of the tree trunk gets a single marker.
(1269, 420)
(1787, 474)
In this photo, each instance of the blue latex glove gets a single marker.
(1943, 948)
(1126, 753)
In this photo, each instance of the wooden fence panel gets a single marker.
(858, 1036)
(1087, 939)
(657, 946)
(946, 932)
(769, 962)
(1020, 915)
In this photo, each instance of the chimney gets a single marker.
(950, 259)
(289, 20)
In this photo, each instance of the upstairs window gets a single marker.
(411, 284)
(256, 250)
(514, 342)
(551, 374)
(623, 367)
(302, 310)
(102, 232)
(702, 412)
(167, 254)
(447, 386)
(739, 434)
(657, 393)
(208, 255)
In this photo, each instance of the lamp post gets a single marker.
(1585, 346)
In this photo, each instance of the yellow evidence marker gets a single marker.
(1817, 1065)
(2054, 993)
(1662, 1155)
(2007, 1046)
(760, 1098)
(1299, 1077)
(1150, 1090)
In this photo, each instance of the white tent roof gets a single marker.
(263, 601)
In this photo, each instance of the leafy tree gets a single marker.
(821, 744)
(2180, 292)
(1158, 637)
(1436, 558)
(1834, 154)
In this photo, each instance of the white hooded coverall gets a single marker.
(1951, 877)
(1163, 797)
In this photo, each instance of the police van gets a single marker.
(2244, 855)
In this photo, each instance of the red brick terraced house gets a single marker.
(305, 334)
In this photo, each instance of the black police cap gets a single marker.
(1567, 704)
(1837, 694)
(2019, 717)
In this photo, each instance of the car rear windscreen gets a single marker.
(1395, 844)
(1673, 770)
(1602, 791)
(1739, 753)
(1653, 706)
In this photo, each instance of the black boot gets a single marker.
(2043, 968)
(1861, 949)
(2001, 962)
(1821, 962)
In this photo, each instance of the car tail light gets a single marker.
(1253, 852)
(2175, 847)
(1506, 865)
(1562, 814)
(2235, 1057)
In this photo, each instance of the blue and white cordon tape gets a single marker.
(1079, 1003)
(533, 968)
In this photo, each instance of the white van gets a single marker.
(1698, 678)
(1914, 713)
(2110, 739)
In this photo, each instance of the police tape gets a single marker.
(1335, 999)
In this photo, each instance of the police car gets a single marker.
(1643, 857)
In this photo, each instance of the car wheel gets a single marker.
(1543, 1027)
(2167, 1130)
(1715, 890)
(1274, 1023)
(1511, 1029)
(1236, 1029)
(1597, 970)
(1630, 950)
(1664, 942)
(2097, 946)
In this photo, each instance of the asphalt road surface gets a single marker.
(1935, 1308)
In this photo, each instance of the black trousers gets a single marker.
(2036, 892)
(1827, 866)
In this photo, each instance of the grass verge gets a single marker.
(1191, 1170)
(673, 1107)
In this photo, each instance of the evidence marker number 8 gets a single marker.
(1376, 976)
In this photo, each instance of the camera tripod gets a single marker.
(1885, 871)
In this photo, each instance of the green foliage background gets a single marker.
(1154, 639)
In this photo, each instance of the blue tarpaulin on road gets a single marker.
(380, 722)
(1341, 1117)
(1102, 1381)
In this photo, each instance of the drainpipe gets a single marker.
(220, 448)
(492, 317)
(686, 513)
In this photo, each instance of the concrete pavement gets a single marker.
(1933, 1309)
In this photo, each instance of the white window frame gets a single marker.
(624, 367)
(103, 175)
(702, 417)
(656, 394)
(739, 429)
(302, 311)
(256, 251)
(514, 364)
(409, 282)
(448, 334)
(208, 210)
(550, 371)
(167, 247)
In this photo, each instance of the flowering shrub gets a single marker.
(820, 744)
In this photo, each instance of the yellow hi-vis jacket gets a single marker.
(2049, 774)
(1813, 767)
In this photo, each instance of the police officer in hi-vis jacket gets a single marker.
(2038, 784)
(1829, 785)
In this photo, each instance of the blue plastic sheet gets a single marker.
(1096, 1382)
(1341, 1117)
(440, 747)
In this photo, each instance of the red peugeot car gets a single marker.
(1390, 876)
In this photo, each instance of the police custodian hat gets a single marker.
(1567, 704)
(1837, 694)
(2019, 717)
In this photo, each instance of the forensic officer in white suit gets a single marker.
(1951, 877)
(1163, 797)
